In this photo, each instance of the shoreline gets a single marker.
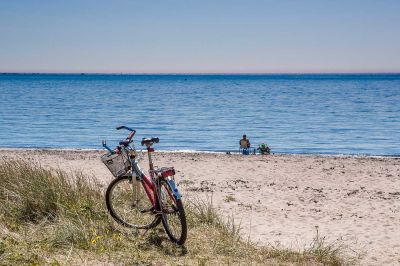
(339, 155)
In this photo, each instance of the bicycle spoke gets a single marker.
(129, 205)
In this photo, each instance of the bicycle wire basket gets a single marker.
(117, 163)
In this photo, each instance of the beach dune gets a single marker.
(280, 200)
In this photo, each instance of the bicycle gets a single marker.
(139, 201)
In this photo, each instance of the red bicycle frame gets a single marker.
(147, 182)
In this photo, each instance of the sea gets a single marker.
(356, 114)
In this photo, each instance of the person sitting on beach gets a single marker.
(244, 144)
(264, 149)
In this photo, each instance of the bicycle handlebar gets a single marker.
(130, 136)
(104, 143)
(124, 127)
(124, 142)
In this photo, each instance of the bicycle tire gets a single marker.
(175, 211)
(138, 214)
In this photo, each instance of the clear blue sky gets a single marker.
(200, 36)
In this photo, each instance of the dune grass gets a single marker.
(50, 217)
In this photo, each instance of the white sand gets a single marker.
(281, 199)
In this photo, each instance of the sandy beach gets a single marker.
(280, 200)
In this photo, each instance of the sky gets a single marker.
(207, 36)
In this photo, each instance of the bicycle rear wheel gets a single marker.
(129, 205)
(173, 214)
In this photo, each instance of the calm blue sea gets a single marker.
(324, 114)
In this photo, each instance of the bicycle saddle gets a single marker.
(149, 141)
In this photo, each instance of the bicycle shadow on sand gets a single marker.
(156, 238)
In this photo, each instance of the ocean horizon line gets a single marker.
(199, 73)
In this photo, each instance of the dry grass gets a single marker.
(49, 217)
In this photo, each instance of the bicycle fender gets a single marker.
(174, 189)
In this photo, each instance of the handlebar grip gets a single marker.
(124, 127)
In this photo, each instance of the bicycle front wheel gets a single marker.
(173, 214)
(129, 205)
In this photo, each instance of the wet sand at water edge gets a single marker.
(279, 200)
